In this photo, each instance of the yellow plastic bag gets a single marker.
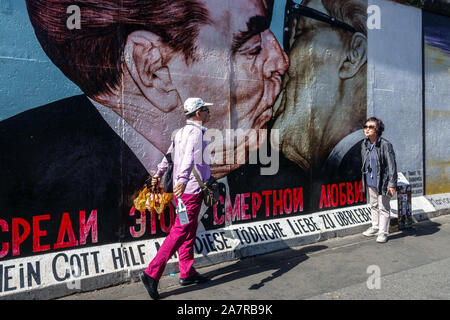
(140, 201)
(154, 200)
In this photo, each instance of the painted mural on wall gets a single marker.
(437, 102)
(288, 116)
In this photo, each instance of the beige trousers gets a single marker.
(380, 209)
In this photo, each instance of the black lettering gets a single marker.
(21, 276)
(343, 218)
(254, 234)
(220, 246)
(141, 253)
(338, 219)
(302, 226)
(239, 236)
(211, 242)
(270, 236)
(311, 224)
(206, 244)
(350, 217)
(86, 265)
(95, 253)
(245, 236)
(133, 259)
(7, 278)
(280, 230)
(34, 273)
(330, 220)
(263, 232)
(225, 240)
(292, 228)
(117, 258)
(54, 269)
(198, 246)
(275, 231)
(363, 214)
(78, 265)
(125, 253)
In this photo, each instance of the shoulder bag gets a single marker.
(210, 189)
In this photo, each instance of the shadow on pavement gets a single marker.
(281, 262)
(419, 229)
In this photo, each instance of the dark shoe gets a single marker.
(196, 278)
(150, 284)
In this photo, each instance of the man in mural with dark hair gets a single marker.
(323, 100)
(136, 61)
(379, 170)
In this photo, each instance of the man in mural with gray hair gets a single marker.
(135, 61)
(323, 100)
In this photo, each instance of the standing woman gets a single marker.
(379, 176)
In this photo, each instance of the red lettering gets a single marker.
(323, 198)
(298, 199)
(244, 207)
(256, 203)
(91, 225)
(277, 201)
(37, 234)
(334, 195)
(329, 195)
(218, 221)
(342, 197)
(153, 221)
(233, 211)
(266, 193)
(5, 246)
(350, 196)
(17, 238)
(162, 218)
(287, 209)
(65, 227)
(141, 222)
(358, 192)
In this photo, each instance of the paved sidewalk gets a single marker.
(411, 265)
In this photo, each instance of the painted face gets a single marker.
(306, 114)
(238, 67)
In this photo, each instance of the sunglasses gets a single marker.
(293, 9)
(204, 110)
(369, 127)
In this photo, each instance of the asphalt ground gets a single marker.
(413, 264)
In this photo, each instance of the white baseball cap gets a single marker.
(193, 104)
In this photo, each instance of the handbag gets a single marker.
(210, 189)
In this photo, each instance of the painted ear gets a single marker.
(356, 56)
(145, 57)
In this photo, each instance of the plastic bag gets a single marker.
(154, 200)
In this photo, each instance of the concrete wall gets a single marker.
(71, 169)
(395, 83)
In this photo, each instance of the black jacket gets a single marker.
(385, 162)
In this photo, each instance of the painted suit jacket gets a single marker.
(63, 157)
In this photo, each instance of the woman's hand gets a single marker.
(391, 191)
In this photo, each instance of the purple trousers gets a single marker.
(181, 238)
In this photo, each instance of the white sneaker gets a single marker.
(382, 238)
(370, 232)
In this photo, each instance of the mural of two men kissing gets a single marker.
(81, 161)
